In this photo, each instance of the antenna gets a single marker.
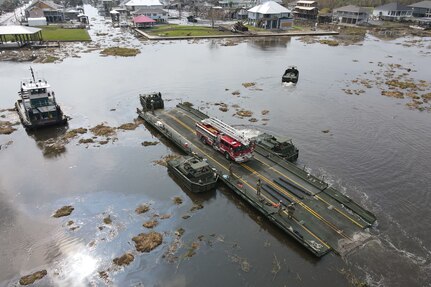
(32, 74)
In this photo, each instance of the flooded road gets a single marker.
(376, 151)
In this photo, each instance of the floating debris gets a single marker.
(186, 216)
(150, 224)
(6, 128)
(325, 131)
(264, 112)
(142, 208)
(107, 220)
(165, 159)
(64, 211)
(103, 130)
(328, 42)
(30, 279)
(123, 260)
(120, 51)
(244, 113)
(196, 207)
(179, 232)
(149, 143)
(86, 141)
(253, 120)
(131, 126)
(236, 93)
(249, 85)
(187, 104)
(165, 216)
(393, 94)
(243, 263)
(177, 200)
(146, 242)
(192, 250)
(73, 133)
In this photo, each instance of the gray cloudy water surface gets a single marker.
(377, 151)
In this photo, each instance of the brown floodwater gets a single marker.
(377, 151)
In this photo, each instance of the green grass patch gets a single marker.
(180, 30)
(54, 33)
(255, 29)
(119, 51)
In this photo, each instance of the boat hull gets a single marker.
(194, 187)
(37, 124)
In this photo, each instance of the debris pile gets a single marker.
(64, 211)
(146, 242)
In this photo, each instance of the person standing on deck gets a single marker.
(290, 210)
(280, 207)
(258, 186)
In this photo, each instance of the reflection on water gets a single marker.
(267, 44)
(50, 140)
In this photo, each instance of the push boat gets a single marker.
(194, 173)
(291, 75)
(37, 106)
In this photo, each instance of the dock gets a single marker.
(324, 219)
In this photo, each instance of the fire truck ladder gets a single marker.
(226, 129)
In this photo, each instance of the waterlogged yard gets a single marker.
(184, 30)
(53, 33)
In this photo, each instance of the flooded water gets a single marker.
(377, 151)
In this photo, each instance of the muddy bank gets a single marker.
(126, 259)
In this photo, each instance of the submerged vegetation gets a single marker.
(120, 51)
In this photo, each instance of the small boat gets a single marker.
(194, 173)
(283, 147)
(291, 75)
(37, 106)
(152, 101)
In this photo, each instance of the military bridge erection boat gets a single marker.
(319, 217)
(37, 106)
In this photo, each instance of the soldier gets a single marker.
(152, 107)
(290, 210)
(280, 207)
(258, 185)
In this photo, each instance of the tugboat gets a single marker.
(37, 106)
(152, 101)
(194, 173)
(283, 147)
(291, 75)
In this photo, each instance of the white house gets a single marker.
(157, 14)
(270, 15)
(393, 11)
(138, 4)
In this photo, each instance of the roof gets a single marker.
(393, 7)
(142, 19)
(269, 7)
(305, 8)
(305, 2)
(149, 10)
(46, 2)
(423, 4)
(144, 3)
(13, 30)
(351, 8)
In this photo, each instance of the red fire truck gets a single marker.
(225, 139)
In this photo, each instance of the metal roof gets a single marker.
(393, 7)
(144, 3)
(143, 19)
(423, 4)
(16, 29)
(269, 7)
(351, 8)
(305, 2)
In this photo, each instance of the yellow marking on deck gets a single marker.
(318, 197)
(245, 182)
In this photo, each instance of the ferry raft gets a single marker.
(37, 106)
(324, 219)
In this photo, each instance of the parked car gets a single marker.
(192, 19)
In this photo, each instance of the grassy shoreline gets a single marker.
(171, 30)
(55, 33)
